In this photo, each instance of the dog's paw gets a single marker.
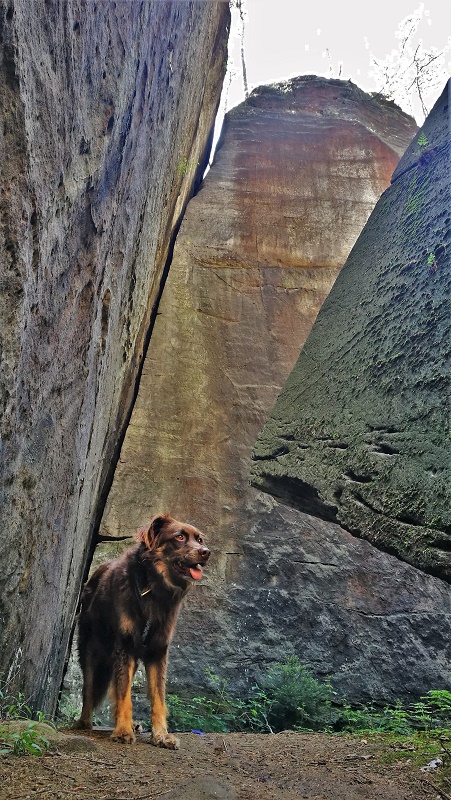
(165, 740)
(81, 725)
(123, 735)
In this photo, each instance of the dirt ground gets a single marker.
(284, 766)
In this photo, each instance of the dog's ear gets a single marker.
(149, 533)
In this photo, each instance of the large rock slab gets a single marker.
(297, 173)
(360, 432)
(298, 170)
(377, 627)
(106, 112)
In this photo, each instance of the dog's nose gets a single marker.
(204, 553)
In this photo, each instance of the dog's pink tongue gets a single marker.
(196, 573)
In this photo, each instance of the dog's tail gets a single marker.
(101, 681)
(97, 672)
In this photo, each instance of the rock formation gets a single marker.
(106, 110)
(360, 433)
(297, 173)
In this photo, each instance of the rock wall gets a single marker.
(298, 170)
(295, 177)
(107, 110)
(360, 433)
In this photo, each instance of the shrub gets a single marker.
(296, 700)
(438, 702)
(217, 712)
(431, 713)
(289, 697)
(370, 718)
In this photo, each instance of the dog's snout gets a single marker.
(204, 553)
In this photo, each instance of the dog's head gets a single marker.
(177, 550)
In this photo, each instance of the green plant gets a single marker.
(184, 166)
(199, 713)
(12, 706)
(67, 712)
(28, 741)
(395, 719)
(296, 699)
(18, 732)
(352, 719)
(218, 711)
(290, 697)
(438, 704)
(255, 711)
(432, 264)
(422, 140)
(18, 708)
(432, 713)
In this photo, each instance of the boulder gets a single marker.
(106, 114)
(360, 433)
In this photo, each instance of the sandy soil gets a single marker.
(285, 766)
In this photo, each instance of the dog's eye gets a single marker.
(180, 537)
(199, 539)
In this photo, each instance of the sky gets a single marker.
(286, 38)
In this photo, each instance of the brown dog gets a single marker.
(128, 612)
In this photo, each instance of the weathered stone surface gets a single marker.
(379, 628)
(295, 177)
(360, 433)
(106, 112)
(299, 169)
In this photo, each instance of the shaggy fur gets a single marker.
(128, 612)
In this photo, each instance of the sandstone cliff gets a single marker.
(298, 170)
(296, 175)
(360, 433)
(106, 111)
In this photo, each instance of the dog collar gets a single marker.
(141, 579)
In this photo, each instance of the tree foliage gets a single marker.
(411, 72)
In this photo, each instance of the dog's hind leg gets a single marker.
(121, 697)
(96, 677)
(85, 721)
(156, 683)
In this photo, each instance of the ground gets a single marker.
(284, 766)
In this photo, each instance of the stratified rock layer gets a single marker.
(106, 112)
(299, 168)
(360, 433)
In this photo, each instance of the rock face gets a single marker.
(299, 168)
(106, 113)
(360, 433)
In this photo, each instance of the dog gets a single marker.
(129, 608)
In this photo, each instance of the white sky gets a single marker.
(286, 38)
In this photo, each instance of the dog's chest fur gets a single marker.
(151, 614)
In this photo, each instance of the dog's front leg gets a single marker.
(156, 683)
(121, 697)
